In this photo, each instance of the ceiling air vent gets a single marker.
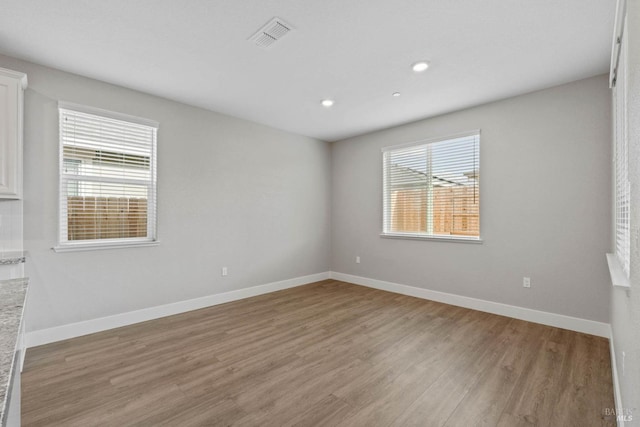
(273, 31)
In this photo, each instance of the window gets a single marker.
(622, 186)
(432, 189)
(107, 179)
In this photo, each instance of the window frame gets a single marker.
(63, 244)
(619, 262)
(430, 237)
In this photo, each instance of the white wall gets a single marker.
(545, 204)
(230, 192)
(625, 305)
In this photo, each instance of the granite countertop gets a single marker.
(12, 295)
(7, 258)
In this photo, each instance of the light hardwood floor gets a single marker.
(329, 353)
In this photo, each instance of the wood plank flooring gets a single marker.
(329, 353)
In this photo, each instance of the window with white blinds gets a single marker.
(622, 185)
(107, 178)
(431, 189)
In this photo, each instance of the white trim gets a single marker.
(414, 236)
(76, 247)
(109, 114)
(618, 30)
(22, 77)
(550, 319)
(432, 140)
(618, 276)
(59, 333)
(616, 382)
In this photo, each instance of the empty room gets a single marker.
(327, 213)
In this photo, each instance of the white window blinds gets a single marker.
(622, 185)
(432, 188)
(107, 178)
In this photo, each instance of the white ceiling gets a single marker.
(357, 52)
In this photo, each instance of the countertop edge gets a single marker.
(6, 388)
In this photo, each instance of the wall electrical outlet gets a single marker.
(526, 282)
(224, 271)
(357, 260)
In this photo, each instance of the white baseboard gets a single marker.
(550, 319)
(616, 381)
(59, 333)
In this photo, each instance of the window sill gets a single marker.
(452, 239)
(101, 246)
(618, 278)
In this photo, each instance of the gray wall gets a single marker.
(545, 204)
(625, 305)
(257, 200)
(11, 236)
(231, 193)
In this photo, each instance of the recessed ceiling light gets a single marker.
(395, 94)
(327, 103)
(419, 67)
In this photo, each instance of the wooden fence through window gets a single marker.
(106, 217)
(456, 210)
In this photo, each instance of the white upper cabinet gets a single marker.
(12, 86)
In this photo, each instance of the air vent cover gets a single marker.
(273, 31)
